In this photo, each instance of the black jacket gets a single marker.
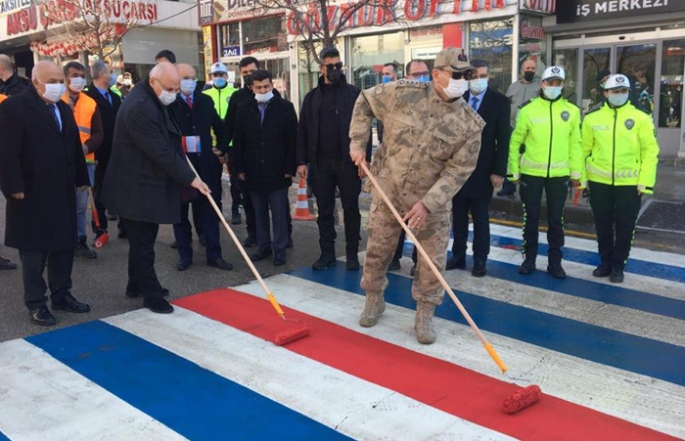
(234, 101)
(13, 86)
(108, 114)
(147, 167)
(308, 127)
(265, 151)
(201, 121)
(494, 150)
(46, 165)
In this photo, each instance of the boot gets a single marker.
(374, 308)
(352, 261)
(425, 333)
(556, 270)
(83, 251)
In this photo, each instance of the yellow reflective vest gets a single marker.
(550, 131)
(220, 98)
(620, 147)
(83, 114)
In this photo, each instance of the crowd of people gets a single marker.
(149, 153)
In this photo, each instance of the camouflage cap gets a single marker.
(454, 58)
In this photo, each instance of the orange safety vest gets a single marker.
(83, 114)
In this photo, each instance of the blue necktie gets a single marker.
(262, 108)
(54, 110)
(474, 103)
(109, 97)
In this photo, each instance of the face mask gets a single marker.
(552, 92)
(425, 79)
(247, 80)
(617, 100)
(219, 82)
(77, 84)
(478, 85)
(456, 88)
(188, 86)
(528, 76)
(112, 79)
(53, 92)
(333, 75)
(386, 79)
(167, 97)
(127, 82)
(264, 97)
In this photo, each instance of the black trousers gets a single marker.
(204, 217)
(615, 209)
(400, 248)
(531, 190)
(277, 203)
(97, 193)
(142, 278)
(33, 264)
(461, 206)
(248, 209)
(326, 176)
(237, 196)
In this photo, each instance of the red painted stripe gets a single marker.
(437, 383)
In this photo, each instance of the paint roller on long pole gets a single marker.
(281, 338)
(515, 402)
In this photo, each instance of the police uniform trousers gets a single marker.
(615, 209)
(383, 230)
(531, 196)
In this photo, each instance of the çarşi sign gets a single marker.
(572, 11)
(9, 6)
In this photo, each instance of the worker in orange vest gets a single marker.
(6, 264)
(90, 129)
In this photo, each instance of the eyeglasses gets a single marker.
(336, 66)
(419, 74)
(461, 75)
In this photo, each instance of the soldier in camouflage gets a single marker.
(431, 144)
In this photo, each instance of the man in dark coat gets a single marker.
(41, 165)
(323, 142)
(490, 171)
(145, 175)
(197, 118)
(10, 83)
(108, 104)
(264, 146)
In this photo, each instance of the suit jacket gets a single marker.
(265, 151)
(147, 167)
(45, 164)
(202, 120)
(494, 150)
(108, 115)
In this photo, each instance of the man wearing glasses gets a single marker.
(431, 145)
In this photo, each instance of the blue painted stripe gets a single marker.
(3, 437)
(601, 345)
(601, 292)
(189, 399)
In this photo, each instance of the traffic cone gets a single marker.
(302, 206)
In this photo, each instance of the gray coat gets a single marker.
(519, 94)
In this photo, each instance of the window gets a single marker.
(371, 52)
(671, 84)
(264, 35)
(228, 35)
(568, 59)
(492, 41)
(308, 68)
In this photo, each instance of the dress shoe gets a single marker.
(616, 275)
(556, 270)
(456, 263)
(249, 242)
(202, 240)
(479, 269)
(220, 264)
(236, 218)
(527, 267)
(6, 264)
(261, 255)
(394, 265)
(183, 265)
(279, 258)
(352, 263)
(412, 271)
(83, 251)
(158, 305)
(174, 245)
(134, 294)
(290, 242)
(67, 302)
(42, 316)
(325, 261)
(604, 270)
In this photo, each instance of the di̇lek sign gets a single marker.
(572, 11)
(379, 13)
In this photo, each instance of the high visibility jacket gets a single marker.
(115, 90)
(2, 97)
(220, 98)
(83, 114)
(620, 147)
(550, 131)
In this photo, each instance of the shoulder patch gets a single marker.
(526, 103)
(378, 90)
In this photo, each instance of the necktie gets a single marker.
(54, 110)
(109, 98)
(474, 103)
(189, 101)
(262, 108)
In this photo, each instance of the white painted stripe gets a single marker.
(327, 395)
(637, 398)
(41, 399)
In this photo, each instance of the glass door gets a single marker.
(594, 61)
(638, 63)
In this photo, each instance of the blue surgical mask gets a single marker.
(478, 85)
(385, 79)
(618, 99)
(552, 92)
(425, 79)
(219, 82)
(112, 79)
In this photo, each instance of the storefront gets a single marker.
(642, 39)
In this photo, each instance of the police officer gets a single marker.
(431, 144)
(622, 153)
(549, 126)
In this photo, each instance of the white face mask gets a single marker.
(127, 82)
(167, 97)
(478, 85)
(77, 84)
(264, 97)
(53, 92)
(552, 92)
(456, 88)
(188, 86)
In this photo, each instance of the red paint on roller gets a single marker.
(285, 337)
(521, 399)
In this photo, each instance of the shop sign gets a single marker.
(208, 48)
(428, 53)
(572, 11)
(230, 51)
(532, 31)
(10, 6)
(541, 6)
(206, 14)
(426, 33)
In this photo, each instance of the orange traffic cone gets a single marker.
(302, 206)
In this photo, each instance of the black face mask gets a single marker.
(247, 80)
(529, 76)
(333, 75)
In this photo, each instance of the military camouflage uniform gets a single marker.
(430, 148)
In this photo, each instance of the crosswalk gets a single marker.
(610, 360)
